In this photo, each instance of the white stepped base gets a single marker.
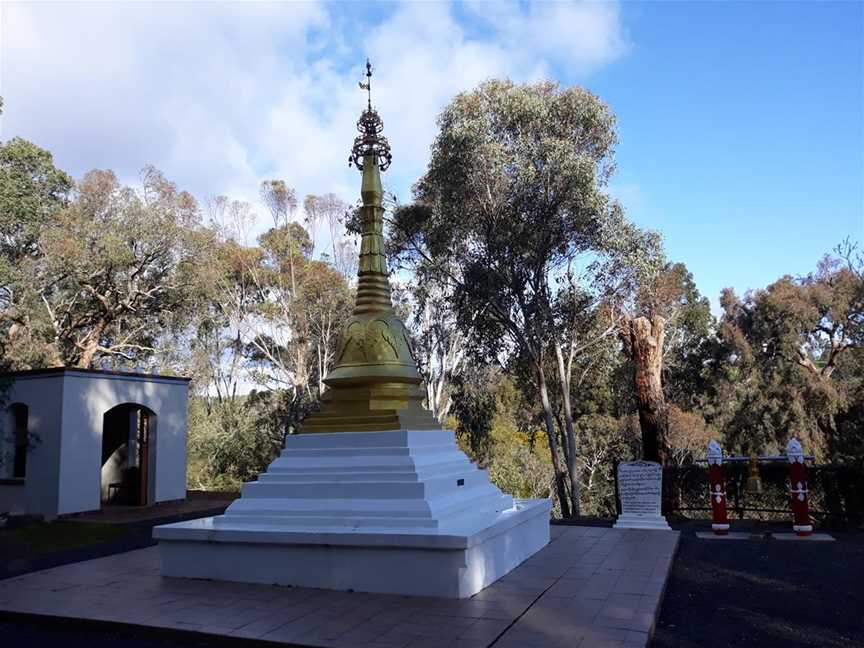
(400, 512)
(448, 566)
(637, 521)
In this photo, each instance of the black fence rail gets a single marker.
(836, 492)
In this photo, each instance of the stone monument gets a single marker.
(372, 495)
(640, 487)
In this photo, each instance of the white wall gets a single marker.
(64, 468)
(86, 398)
(43, 396)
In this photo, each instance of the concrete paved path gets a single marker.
(590, 587)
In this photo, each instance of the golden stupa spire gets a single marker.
(374, 385)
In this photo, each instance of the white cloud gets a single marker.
(221, 96)
(580, 35)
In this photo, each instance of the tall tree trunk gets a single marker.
(825, 446)
(568, 432)
(90, 347)
(553, 442)
(646, 351)
(321, 371)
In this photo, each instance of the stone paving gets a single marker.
(590, 587)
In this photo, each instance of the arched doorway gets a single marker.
(128, 468)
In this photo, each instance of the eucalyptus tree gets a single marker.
(269, 313)
(789, 361)
(281, 200)
(332, 210)
(663, 323)
(277, 327)
(291, 325)
(113, 273)
(512, 199)
(32, 192)
(439, 345)
(227, 294)
(327, 302)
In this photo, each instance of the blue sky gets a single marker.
(740, 123)
(741, 133)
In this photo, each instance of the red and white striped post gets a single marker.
(798, 491)
(717, 489)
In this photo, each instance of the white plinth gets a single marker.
(813, 537)
(732, 535)
(641, 521)
(400, 512)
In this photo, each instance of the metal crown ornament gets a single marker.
(370, 141)
(375, 384)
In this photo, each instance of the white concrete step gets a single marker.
(358, 440)
(479, 501)
(333, 522)
(364, 452)
(455, 469)
(292, 461)
(370, 488)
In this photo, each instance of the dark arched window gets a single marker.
(20, 415)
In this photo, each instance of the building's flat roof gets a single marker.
(56, 371)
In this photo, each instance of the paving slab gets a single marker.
(732, 535)
(589, 587)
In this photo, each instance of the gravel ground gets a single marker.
(764, 593)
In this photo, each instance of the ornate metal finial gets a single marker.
(370, 141)
(368, 85)
(794, 451)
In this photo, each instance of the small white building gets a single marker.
(74, 439)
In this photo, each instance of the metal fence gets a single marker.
(836, 492)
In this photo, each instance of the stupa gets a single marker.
(372, 495)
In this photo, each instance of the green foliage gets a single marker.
(110, 278)
(519, 470)
(474, 407)
(231, 441)
(787, 363)
(689, 328)
(603, 440)
(284, 243)
(510, 196)
(490, 422)
(511, 203)
(32, 190)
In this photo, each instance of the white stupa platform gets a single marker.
(401, 512)
(642, 521)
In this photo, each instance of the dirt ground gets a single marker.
(41, 545)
